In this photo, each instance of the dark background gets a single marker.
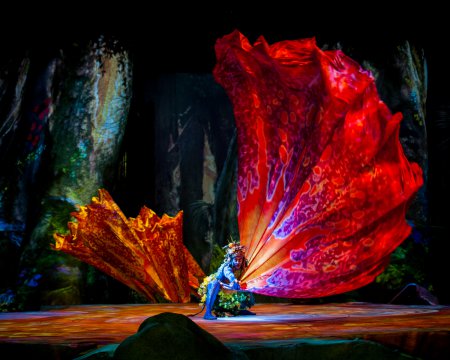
(169, 38)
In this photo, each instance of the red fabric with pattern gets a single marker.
(323, 183)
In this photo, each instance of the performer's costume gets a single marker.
(224, 277)
(323, 183)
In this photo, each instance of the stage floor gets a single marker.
(422, 331)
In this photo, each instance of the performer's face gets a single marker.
(237, 261)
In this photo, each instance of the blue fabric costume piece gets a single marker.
(224, 278)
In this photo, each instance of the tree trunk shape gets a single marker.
(85, 134)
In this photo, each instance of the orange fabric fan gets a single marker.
(145, 253)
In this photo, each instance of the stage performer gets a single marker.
(225, 276)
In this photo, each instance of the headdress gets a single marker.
(234, 248)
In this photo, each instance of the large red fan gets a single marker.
(323, 183)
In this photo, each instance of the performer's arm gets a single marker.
(233, 282)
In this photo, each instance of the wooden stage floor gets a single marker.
(422, 331)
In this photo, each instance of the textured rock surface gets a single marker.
(171, 336)
(320, 349)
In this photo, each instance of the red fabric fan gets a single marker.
(323, 183)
